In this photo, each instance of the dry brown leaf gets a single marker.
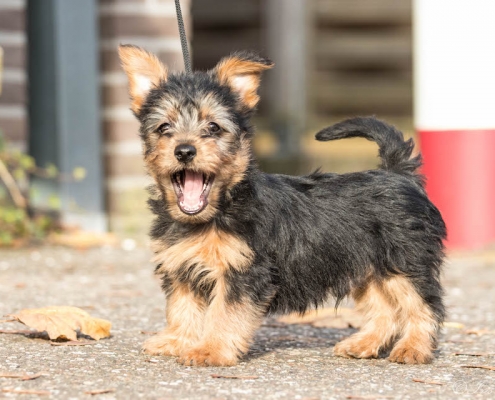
(17, 331)
(326, 318)
(22, 377)
(458, 341)
(73, 343)
(25, 391)
(459, 353)
(477, 332)
(489, 367)
(82, 240)
(63, 322)
(428, 382)
(234, 376)
(88, 307)
(99, 391)
(451, 324)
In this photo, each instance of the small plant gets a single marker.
(19, 221)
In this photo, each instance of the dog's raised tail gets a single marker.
(394, 151)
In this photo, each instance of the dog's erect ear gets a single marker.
(144, 71)
(242, 72)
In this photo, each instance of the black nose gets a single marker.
(185, 152)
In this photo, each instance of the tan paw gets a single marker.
(409, 355)
(162, 344)
(358, 347)
(207, 356)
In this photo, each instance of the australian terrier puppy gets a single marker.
(234, 244)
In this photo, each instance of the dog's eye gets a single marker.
(163, 128)
(213, 128)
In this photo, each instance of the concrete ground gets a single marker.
(286, 361)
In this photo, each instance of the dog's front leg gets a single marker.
(185, 314)
(229, 326)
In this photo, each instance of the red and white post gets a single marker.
(454, 67)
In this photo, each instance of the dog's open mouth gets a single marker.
(192, 189)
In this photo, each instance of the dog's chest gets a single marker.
(211, 253)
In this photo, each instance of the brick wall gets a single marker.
(13, 112)
(151, 24)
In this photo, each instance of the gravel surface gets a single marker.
(286, 361)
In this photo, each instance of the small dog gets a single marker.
(234, 244)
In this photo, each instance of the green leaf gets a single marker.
(27, 162)
(54, 202)
(33, 193)
(51, 170)
(15, 155)
(10, 216)
(79, 173)
(2, 141)
(6, 238)
(19, 174)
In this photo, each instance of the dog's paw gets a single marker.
(410, 355)
(206, 356)
(358, 347)
(162, 344)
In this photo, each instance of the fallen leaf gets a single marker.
(18, 331)
(489, 367)
(62, 322)
(82, 240)
(428, 382)
(25, 391)
(148, 332)
(234, 376)
(89, 307)
(326, 318)
(73, 343)
(99, 391)
(458, 341)
(22, 377)
(484, 256)
(450, 324)
(474, 354)
(477, 332)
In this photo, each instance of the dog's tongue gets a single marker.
(193, 187)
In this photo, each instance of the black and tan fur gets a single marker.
(261, 244)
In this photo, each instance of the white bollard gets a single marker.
(454, 84)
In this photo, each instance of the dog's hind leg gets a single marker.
(380, 327)
(418, 324)
(392, 309)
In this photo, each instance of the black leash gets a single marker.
(183, 39)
